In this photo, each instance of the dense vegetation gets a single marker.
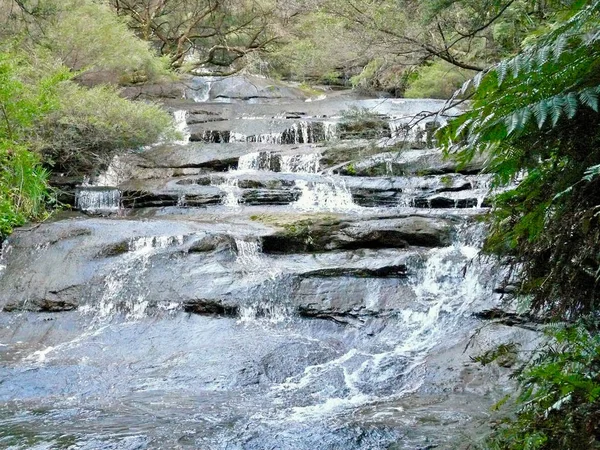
(49, 122)
(536, 117)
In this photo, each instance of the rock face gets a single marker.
(284, 282)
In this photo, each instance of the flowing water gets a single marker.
(235, 324)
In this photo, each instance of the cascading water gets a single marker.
(305, 163)
(123, 290)
(181, 126)
(293, 324)
(329, 195)
(94, 199)
(265, 300)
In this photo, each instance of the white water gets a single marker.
(305, 163)
(329, 195)
(181, 126)
(447, 287)
(232, 192)
(267, 300)
(255, 161)
(123, 286)
(89, 199)
(402, 129)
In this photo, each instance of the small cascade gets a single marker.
(255, 161)
(483, 185)
(330, 131)
(230, 186)
(305, 163)
(181, 126)
(92, 199)
(212, 136)
(199, 92)
(5, 249)
(266, 300)
(248, 254)
(124, 290)
(448, 284)
(330, 195)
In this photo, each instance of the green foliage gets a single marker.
(23, 181)
(438, 80)
(558, 405)
(536, 116)
(24, 190)
(383, 74)
(83, 35)
(87, 35)
(92, 125)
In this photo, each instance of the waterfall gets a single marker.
(232, 192)
(97, 199)
(403, 129)
(124, 289)
(448, 283)
(255, 161)
(304, 163)
(181, 126)
(331, 131)
(330, 195)
(266, 300)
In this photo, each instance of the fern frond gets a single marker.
(589, 97)
(541, 112)
(570, 105)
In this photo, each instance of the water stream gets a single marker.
(303, 323)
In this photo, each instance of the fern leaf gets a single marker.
(465, 86)
(556, 108)
(516, 65)
(589, 97)
(591, 173)
(542, 55)
(502, 69)
(514, 122)
(462, 127)
(541, 112)
(559, 47)
(570, 105)
(477, 79)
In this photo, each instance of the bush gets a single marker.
(437, 80)
(24, 191)
(558, 407)
(91, 125)
(25, 97)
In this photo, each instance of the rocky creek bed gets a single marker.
(271, 281)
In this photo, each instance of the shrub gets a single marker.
(91, 125)
(558, 406)
(24, 191)
(437, 80)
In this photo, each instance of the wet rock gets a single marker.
(269, 196)
(114, 250)
(249, 87)
(290, 359)
(326, 235)
(209, 308)
(351, 300)
(213, 243)
(410, 162)
(154, 91)
(399, 271)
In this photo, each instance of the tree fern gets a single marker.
(537, 114)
